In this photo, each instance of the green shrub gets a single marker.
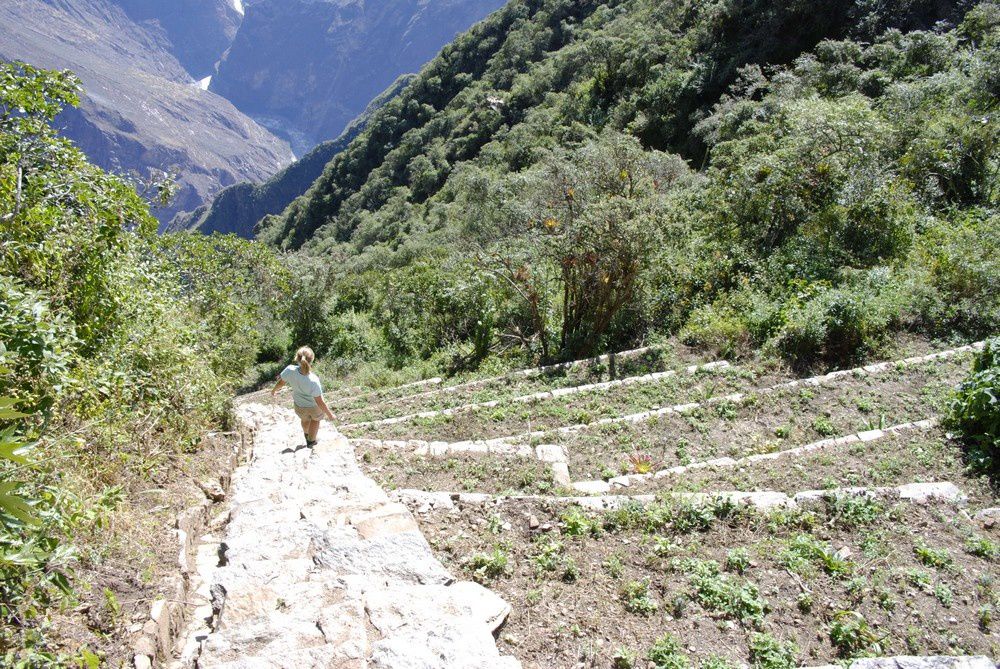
(974, 410)
(719, 329)
(953, 278)
(834, 325)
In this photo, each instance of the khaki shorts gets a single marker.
(309, 413)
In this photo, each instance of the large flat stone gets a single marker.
(391, 518)
(392, 609)
(404, 557)
(455, 646)
(928, 662)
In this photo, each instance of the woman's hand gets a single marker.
(322, 405)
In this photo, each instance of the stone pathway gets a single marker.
(320, 569)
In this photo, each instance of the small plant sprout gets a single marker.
(852, 636)
(548, 557)
(733, 598)
(766, 652)
(570, 572)
(738, 560)
(495, 525)
(623, 659)
(716, 662)
(642, 463)
(575, 523)
(488, 566)
(614, 567)
(917, 578)
(854, 510)
(932, 557)
(678, 605)
(944, 595)
(985, 617)
(805, 552)
(637, 599)
(664, 547)
(824, 427)
(665, 653)
(983, 547)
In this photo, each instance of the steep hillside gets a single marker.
(142, 110)
(305, 68)
(197, 31)
(798, 179)
(238, 208)
(539, 73)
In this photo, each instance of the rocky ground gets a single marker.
(832, 543)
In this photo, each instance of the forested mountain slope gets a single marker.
(803, 178)
(649, 66)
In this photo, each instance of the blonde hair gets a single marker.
(304, 358)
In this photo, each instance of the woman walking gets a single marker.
(307, 393)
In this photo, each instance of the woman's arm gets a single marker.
(278, 386)
(322, 405)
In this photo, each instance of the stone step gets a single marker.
(918, 493)
(628, 480)
(644, 416)
(320, 568)
(643, 379)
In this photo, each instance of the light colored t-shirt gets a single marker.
(305, 388)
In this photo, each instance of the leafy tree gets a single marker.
(584, 230)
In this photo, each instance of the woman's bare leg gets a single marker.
(313, 430)
(306, 426)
